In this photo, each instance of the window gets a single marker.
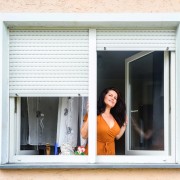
(48, 82)
(140, 78)
(49, 120)
(143, 80)
(44, 121)
(148, 88)
(51, 72)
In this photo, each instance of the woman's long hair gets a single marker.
(118, 111)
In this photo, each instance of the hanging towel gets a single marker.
(67, 130)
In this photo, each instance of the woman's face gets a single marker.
(110, 98)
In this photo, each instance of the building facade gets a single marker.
(48, 58)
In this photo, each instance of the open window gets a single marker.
(144, 80)
(147, 99)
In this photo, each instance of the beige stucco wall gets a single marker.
(82, 6)
(93, 174)
(89, 5)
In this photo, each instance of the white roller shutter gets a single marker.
(136, 40)
(48, 62)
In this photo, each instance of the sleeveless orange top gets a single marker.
(105, 136)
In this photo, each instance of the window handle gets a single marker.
(134, 111)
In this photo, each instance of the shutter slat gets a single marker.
(65, 52)
(49, 68)
(49, 56)
(20, 76)
(47, 60)
(50, 83)
(51, 64)
(51, 33)
(49, 38)
(53, 43)
(18, 81)
(50, 92)
(22, 49)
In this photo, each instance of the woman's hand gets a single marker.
(126, 121)
(123, 128)
(84, 128)
(87, 107)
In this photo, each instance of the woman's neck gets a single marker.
(107, 111)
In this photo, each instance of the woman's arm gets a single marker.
(84, 129)
(123, 128)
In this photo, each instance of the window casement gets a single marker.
(146, 78)
(48, 83)
(149, 98)
(50, 69)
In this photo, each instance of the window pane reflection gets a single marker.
(147, 102)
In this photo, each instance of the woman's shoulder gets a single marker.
(86, 117)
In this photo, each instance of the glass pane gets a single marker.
(146, 76)
(51, 125)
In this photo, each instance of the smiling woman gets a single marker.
(111, 121)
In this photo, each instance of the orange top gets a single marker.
(105, 136)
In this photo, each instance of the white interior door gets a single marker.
(147, 100)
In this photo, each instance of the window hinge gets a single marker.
(15, 106)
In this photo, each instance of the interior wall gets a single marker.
(90, 6)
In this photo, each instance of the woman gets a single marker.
(111, 121)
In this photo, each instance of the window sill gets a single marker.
(87, 166)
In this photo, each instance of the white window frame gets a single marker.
(166, 105)
(152, 156)
(17, 155)
(89, 20)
